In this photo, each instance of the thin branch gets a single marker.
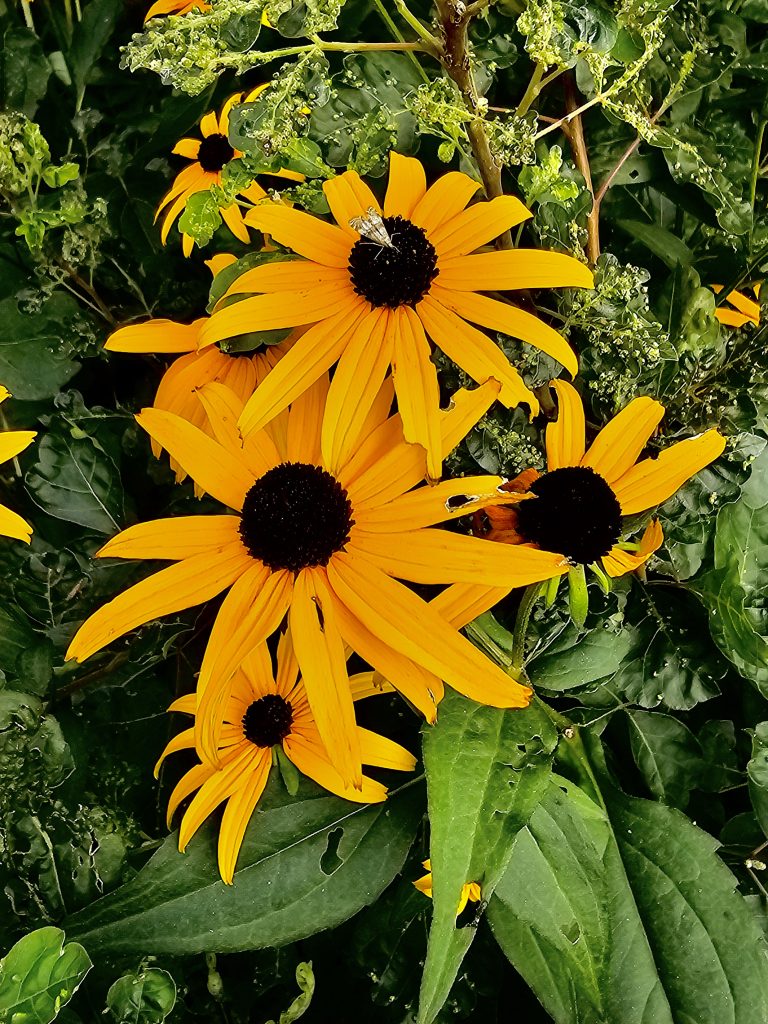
(579, 148)
(89, 290)
(385, 17)
(430, 42)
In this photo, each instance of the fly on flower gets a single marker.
(327, 522)
(376, 285)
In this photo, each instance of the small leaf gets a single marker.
(667, 753)
(144, 997)
(39, 975)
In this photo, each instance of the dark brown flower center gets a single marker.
(295, 516)
(215, 151)
(268, 720)
(574, 512)
(399, 274)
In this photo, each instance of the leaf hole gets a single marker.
(330, 859)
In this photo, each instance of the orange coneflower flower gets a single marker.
(744, 311)
(469, 891)
(12, 443)
(162, 7)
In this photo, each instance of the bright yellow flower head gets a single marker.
(579, 503)
(469, 891)
(12, 442)
(327, 522)
(266, 709)
(381, 281)
(210, 156)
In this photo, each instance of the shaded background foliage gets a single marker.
(669, 677)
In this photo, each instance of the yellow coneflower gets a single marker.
(12, 443)
(180, 386)
(380, 281)
(210, 156)
(578, 505)
(163, 7)
(469, 891)
(745, 310)
(327, 523)
(265, 710)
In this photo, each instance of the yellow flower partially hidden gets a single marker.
(163, 7)
(578, 505)
(744, 311)
(327, 522)
(469, 891)
(265, 709)
(12, 443)
(383, 279)
(210, 156)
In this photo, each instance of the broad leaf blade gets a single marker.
(40, 975)
(307, 864)
(486, 770)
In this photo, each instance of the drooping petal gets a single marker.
(184, 740)
(12, 442)
(368, 684)
(619, 562)
(509, 269)
(652, 481)
(566, 436)
(173, 539)
(617, 446)
(313, 354)
(438, 556)
(312, 760)
(406, 187)
(427, 506)
(356, 382)
(463, 602)
(13, 526)
(320, 650)
(215, 790)
(500, 316)
(443, 200)
(209, 464)
(305, 234)
(188, 148)
(188, 783)
(186, 180)
(238, 811)
(478, 225)
(348, 196)
(173, 589)
(155, 336)
(233, 218)
(381, 752)
(393, 612)
(416, 387)
(474, 352)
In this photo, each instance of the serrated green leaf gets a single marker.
(307, 864)
(39, 975)
(486, 770)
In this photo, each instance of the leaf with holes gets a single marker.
(307, 863)
(486, 770)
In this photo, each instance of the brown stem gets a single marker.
(91, 292)
(606, 184)
(575, 136)
(90, 677)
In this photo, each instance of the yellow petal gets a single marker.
(233, 218)
(619, 562)
(173, 589)
(311, 759)
(500, 316)
(13, 526)
(348, 196)
(320, 650)
(652, 481)
(209, 464)
(393, 612)
(617, 446)
(238, 811)
(223, 408)
(368, 684)
(193, 780)
(173, 539)
(188, 148)
(406, 187)
(12, 442)
(307, 235)
(183, 741)
(566, 436)
(305, 421)
(155, 336)
(215, 790)
(381, 752)
(463, 602)
(477, 226)
(289, 275)
(513, 269)
(416, 387)
(443, 200)
(427, 506)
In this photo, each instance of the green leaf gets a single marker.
(757, 774)
(201, 217)
(144, 997)
(56, 176)
(306, 864)
(76, 480)
(667, 753)
(626, 915)
(486, 770)
(34, 355)
(40, 975)
(25, 71)
(225, 278)
(89, 38)
(733, 590)
(305, 979)
(662, 243)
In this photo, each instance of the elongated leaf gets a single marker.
(734, 589)
(757, 774)
(667, 753)
(306, 864)
(40, 975)
(486, 771)
(625, 915)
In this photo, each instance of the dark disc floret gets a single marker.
(574, 512)
(215, 151)
(296, 516)
(396, 275)
(268, 721)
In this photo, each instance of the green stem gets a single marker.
(27, 12)
(756, 170)
(430, 41)
(522, 620)
(486, 635)
(532, 91)
(398, 35)
(741, 277)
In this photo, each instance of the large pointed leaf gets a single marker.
(486, 770)
(625, 915)
(307, 863)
